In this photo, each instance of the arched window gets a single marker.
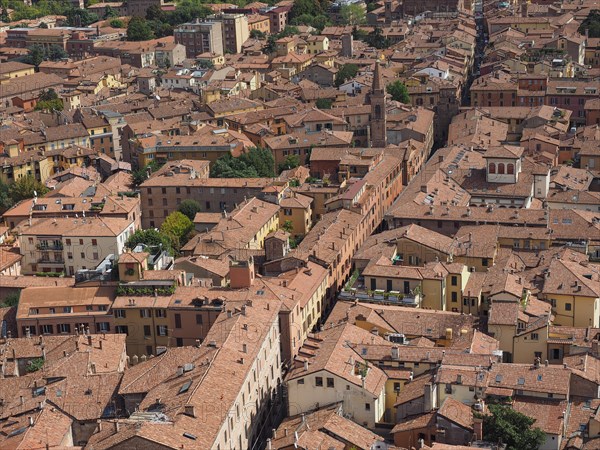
(501, 168)
(510, 169)
(492, 168)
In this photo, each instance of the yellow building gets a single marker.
(573, 290)
(296, 210)
(14, 69)
(144, 320)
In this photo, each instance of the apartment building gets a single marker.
(246, 227)
(333, 371)
(180, 180)
(200, 37)
(65, 311)
(235, 30)
(243, 350)
(66, 245)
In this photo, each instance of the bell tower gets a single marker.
(378, 110)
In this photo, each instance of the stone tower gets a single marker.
(378, 119)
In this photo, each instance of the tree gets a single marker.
(346, 72)
(510, 427)
(352, 14)
(48, 94)
(189, 208)
(177, 226)
(49, 105)
(11, 300)
(256, 162)
(26, 187)
(138, 29)
(592, 24)
(140, 175)
(5, 197)
(151, 238)
(324, 103)
(80, 17)
(397, 89)
(376, 39)
(288, 226)
(257, 34)
(36, 55)
(110, 12)
(116, 23)
(56, 53)
(290, 162)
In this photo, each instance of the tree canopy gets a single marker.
(152, 238)
(290, 162)
(140, 175)
(38, 53)
(26, 187)
(510, 427)
(255, 163)
(189, 208)
(138, 29)
(346, 72)
(177, 226)
(592, 24)
(49, 101)
(353, 14)
(376, 39)
(397, 89)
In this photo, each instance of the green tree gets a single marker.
(140, 175)
(592, 24)
(34, 365)
(324, 103)
(346, 72)
(189, 208)
(178, 227)
(376, 39)
(397, 89)
(6, 200)
(26, 187)
(139, 29)
(48, 94)
(36, 55)
(510, 427)
(49, 105)
(80, 17)
(288, 226)
(290, 162)
(11, 300)
(151, 238)
(110, 12)
(255, 163)
(116, 23)
(306, 7)
(257, 34)
(56, 53)
(353, 14)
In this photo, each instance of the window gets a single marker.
(454, 281)
(510, 169)
(319, 381)
(492, 168)
(64, 328)
(147, 331)
(301, 381)
(121, 329)
(94, 242)
(567, 307)
(177, 320)
(120, 313)
(144, 313)
(535, 336)
(80, 241)
(161, 330)
(367, 407)
(330, 382)
(484, 262)
(160, 313)
(454, 297)
(102, 327)
(46, 329)
(67, 309)
(501, 168)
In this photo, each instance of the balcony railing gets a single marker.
(60, 262)
(381, 296)
(45, 247)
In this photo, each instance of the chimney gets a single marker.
(89, 340)
(190, 410)
(395, 353)
(306, 365)
(478, 428)
(100, 344)
(269, 446)
(441, 158)
(30, 421)
(428, 398)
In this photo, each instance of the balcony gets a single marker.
(381, 296)
(50, 247)
(51, 262)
